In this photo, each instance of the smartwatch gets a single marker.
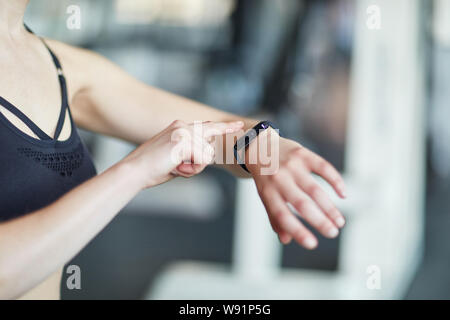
(243, 142)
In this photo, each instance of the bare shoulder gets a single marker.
(82, 67)
(68, 51)
(90, 78)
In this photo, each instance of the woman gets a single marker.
(53, 203)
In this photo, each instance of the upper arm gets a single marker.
(105, 99)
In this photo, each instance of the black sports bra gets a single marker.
(35, 172)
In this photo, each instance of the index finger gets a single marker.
(211, 129)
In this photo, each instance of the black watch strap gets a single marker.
(244, 141)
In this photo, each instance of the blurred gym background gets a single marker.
(363, 83)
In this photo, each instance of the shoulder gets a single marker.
(82, 67)
(74, 56)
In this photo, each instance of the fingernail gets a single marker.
(343, 190)
(284, 240)
(332, 233)
(310, 243)
(340, 222)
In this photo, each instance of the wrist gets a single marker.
(262, 151)
(133, 173)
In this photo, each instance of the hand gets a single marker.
(293, 183)
(179, 150)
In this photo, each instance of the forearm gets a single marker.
(146, 111)
(37, 244)
(137, 111)
(174, 107)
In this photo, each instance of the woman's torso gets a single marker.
(36, 168)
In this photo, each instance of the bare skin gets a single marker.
(104, 99)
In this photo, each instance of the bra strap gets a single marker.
(19, 114)
(63, 87)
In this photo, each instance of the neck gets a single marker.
(11, 17)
